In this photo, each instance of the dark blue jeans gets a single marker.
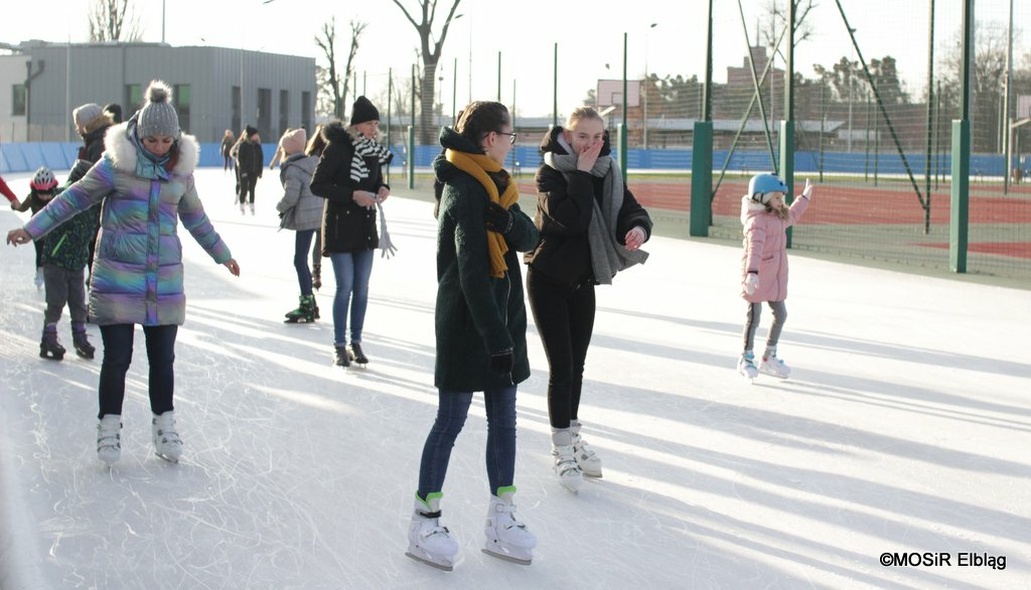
(118, 341)
(302, 245)
(452, 411)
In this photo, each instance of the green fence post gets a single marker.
(621, 131)
(701, 180)
(960, 206)
(411, 157)
(787, 163)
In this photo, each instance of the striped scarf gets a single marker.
(477, 166)
(363, 148)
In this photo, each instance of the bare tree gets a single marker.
(109, 20)
(430, 51)
(331, 82)
(988, 74)
(356, 34)
(776, 20)
(324, 105)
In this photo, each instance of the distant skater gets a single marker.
(764, 267)
(300, 211)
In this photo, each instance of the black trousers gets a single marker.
(247, 184)
(118, 344)
(565, 321)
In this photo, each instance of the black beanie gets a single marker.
(363, 111)
(115, 110)
(249, 130)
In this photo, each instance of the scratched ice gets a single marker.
(904, 428)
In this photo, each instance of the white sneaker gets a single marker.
(771, 365)
(167, 443)
(588, 461)
(507, 538)
(746, 366)
(428, 541)
(564, 459)
(109, 438)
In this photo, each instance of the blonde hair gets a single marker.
(580, 113)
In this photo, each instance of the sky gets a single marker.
(903, 429)
(589, 36)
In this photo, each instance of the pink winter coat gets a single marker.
(765, 245)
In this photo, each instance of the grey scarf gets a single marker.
(608, 256)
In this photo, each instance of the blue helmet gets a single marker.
(761, 185)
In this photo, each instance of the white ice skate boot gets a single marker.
(772, 365)
(428, 541)
(167, 443)
(109, 438)
(507, 538)
(586, 458)
(746, 366)
(564, 459)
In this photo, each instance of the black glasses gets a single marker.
(511, 136)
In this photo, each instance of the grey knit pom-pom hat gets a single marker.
(158, 116)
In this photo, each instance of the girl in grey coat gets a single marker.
(301, 211)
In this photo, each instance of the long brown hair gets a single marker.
(317, 143)
(479, 118)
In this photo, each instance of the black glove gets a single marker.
(498, 218)
(502, 362)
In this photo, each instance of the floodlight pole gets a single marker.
(1008, 137)
(701, 151)
(787, 126)
(930, 120)
(959, 208)
(554, 94)
(622, 123)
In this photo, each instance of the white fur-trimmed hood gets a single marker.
(749, 208)
(124, 153)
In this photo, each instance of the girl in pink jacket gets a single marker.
(764, 266)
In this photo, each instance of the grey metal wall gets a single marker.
(76, 74)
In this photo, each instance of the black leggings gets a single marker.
(565, 321)
(247, 185)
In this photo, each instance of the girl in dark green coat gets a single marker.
(480, 328)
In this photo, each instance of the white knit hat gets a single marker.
(158, 116)
(84, 114)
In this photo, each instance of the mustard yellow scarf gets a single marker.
(477, 166)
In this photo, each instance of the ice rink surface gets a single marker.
(905, 430)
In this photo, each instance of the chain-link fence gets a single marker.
(878, 145)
